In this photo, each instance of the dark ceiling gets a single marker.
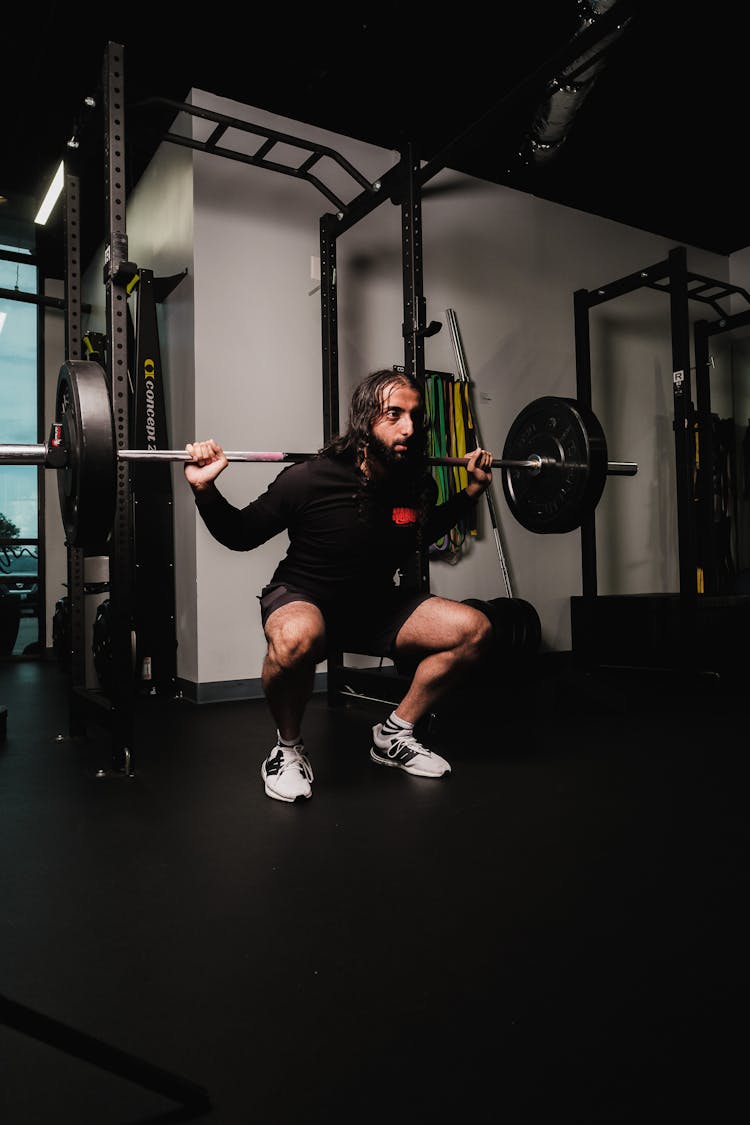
(657, 142)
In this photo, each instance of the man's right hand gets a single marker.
(208, 461)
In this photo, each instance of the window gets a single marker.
(20, 598)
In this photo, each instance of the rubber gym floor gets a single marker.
(552, 932)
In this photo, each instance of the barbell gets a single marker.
(554, 459)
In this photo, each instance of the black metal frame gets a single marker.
(114, 712)
(75, 556)
(259, 159)
(670, 276)
(676, 630)
(703, 332)
(414, 330)
(118, 273)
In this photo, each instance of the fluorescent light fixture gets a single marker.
(2, 320)
(52, 196)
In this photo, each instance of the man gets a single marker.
(355, 513)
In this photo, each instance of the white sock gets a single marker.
(395, 725)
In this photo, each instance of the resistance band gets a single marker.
(450, 434)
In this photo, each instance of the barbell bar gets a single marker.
(534, 464)
(554, 459)
(40, 455)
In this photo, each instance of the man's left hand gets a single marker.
(479, 470)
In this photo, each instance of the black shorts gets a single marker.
(369, 628)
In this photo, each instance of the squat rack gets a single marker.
(670, 276)
(703, 332)
(692, 630)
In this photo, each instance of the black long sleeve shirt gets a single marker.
(335, 549)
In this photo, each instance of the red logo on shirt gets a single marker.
(403, 516)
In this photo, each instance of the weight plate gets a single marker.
(558, 497)
(101, 647)
(86, 485)
(516, 626)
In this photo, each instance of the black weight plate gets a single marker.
(101, 646)
(532, 637)
(527, 628)
(557, 498)
(61, 631)
(515, 623)
(86, 485)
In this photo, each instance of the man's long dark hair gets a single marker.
(367, 404)
(366, 407)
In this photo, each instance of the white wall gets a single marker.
(507, 263)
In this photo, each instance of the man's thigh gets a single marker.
(435, 625)
(293, 619)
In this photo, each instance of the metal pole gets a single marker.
(464, 377)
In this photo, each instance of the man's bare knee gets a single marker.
(479, 636)
(295, 636)
(288, 652)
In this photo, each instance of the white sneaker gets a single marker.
(407, 753)
(287, 773)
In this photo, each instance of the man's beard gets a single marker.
(395, 462)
